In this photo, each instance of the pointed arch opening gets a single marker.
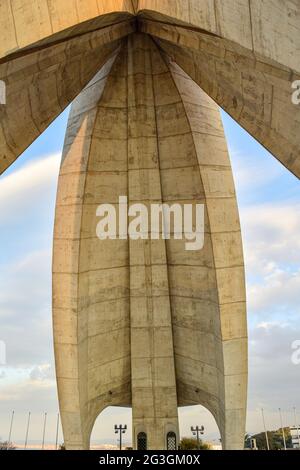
(198, 416)
(104, 435)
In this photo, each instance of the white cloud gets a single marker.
(43, 372)
(272, 257)
(271, 233)
(26, 186)
(270, 218)
(273, 377)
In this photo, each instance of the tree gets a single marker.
(7, 446)
(189, 443)
(275, 440)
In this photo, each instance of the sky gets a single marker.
(269, 201)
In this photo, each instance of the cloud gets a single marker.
(273, 377)
(25, 310)
(27, 198)
(42, 373)
(271, 233)
(24, 188)
(272, 258)
(278, 293)
(270, 217)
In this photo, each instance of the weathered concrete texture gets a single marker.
(90, 281)
(39, 86)
(270, 29)
(245, 55)
(25, 24)
(255, 91)
(146, 323)
(208, 291)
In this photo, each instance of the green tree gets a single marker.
(275, 440)
(189, 443)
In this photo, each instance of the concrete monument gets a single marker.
(146, 323)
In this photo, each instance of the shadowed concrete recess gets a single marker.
(145, 323)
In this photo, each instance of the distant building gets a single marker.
(295, 433)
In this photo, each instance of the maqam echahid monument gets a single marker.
(147, 324)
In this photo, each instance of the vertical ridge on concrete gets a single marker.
(90, 302)
(223, 244)
(105, 264)
(197, 345)
(154, 397)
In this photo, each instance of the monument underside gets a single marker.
(146, 323)
(157, 326)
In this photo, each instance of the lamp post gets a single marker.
(120, 430)
(27, 431)
(266, 432)
(11, 427)
(44, 430)
(282, 428)
(197, 431)
(57, 429)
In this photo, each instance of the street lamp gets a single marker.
(282, 428)
(197, 431)
(120, 430)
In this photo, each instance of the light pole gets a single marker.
(44, 431)
(11, 427)
(266, 432)
(197, 431)
(57, 429)
(283, 434)
(27, 431)
(120, 430)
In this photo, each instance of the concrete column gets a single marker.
(147, 323)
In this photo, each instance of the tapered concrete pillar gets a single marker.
(146, 323)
